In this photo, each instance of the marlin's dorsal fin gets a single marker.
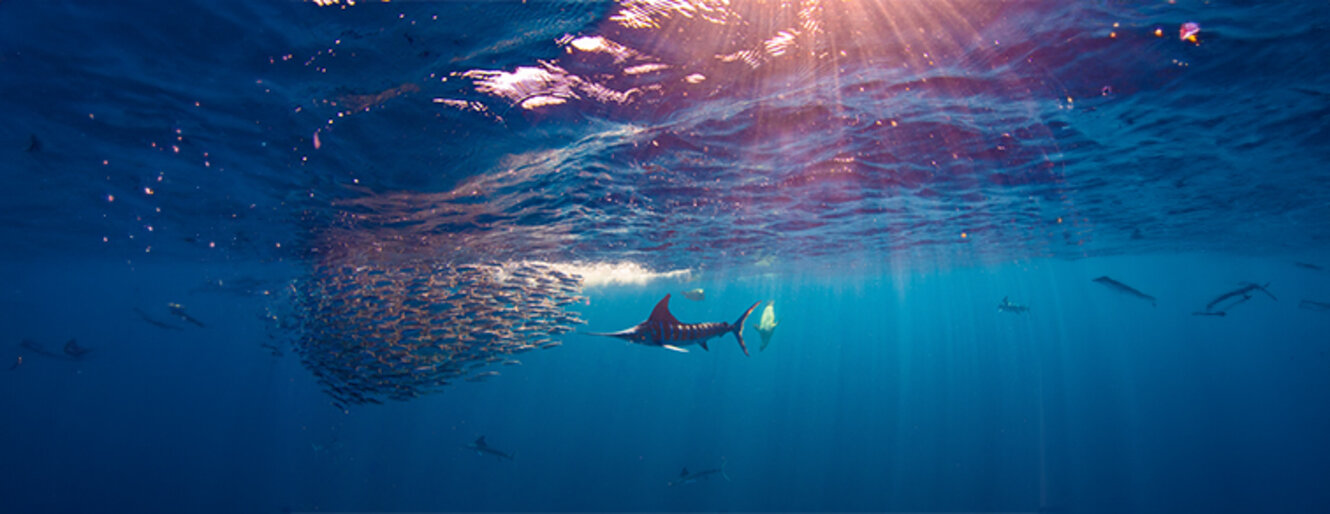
(662, 312)
(684, 473)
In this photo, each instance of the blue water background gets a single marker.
(892, 382)
(877, 393)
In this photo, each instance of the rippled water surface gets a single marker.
(381, 206)
(679, 134)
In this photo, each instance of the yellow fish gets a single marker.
(767, 324)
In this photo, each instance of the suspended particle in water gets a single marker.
(1188, 31)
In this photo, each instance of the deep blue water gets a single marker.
(345, 198)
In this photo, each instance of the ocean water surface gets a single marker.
(350, 256)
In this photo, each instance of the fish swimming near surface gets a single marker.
(766, 325)
(482, 448)
(1313, 305)
(695, 295)
(1124, 289)
(1006, 306)
(663, 330)
(686, 477)
(1243, 291)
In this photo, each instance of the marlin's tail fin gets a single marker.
(722, 470)
(738, 327)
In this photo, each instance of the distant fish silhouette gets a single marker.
(1243, 292)
(275, 351)
(179, 311)
(1309, 266)
(1313, 305)
(1006, 306)
(686, 477)
(73, 350)
(159, 324)
(17, 362)
(1124, 289)
(695, 295)
(483, 448)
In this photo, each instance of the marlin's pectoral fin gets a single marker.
(622, 334)
(673, 348)
(703, 344)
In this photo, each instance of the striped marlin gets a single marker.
(663, 330)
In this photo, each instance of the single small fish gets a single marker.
(36, 347)
(179, 311)
(766, 325)
(1007, 306)
(481, 377)
(482, 448)
(1309, 266)
(1313, 305)
(71, 351)
(685, 477)
(159, 324)
(1124, 289)
(695, 295)
(1242, 291)
(75, 351)
(1225, 308)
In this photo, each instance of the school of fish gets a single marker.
(371, 333)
